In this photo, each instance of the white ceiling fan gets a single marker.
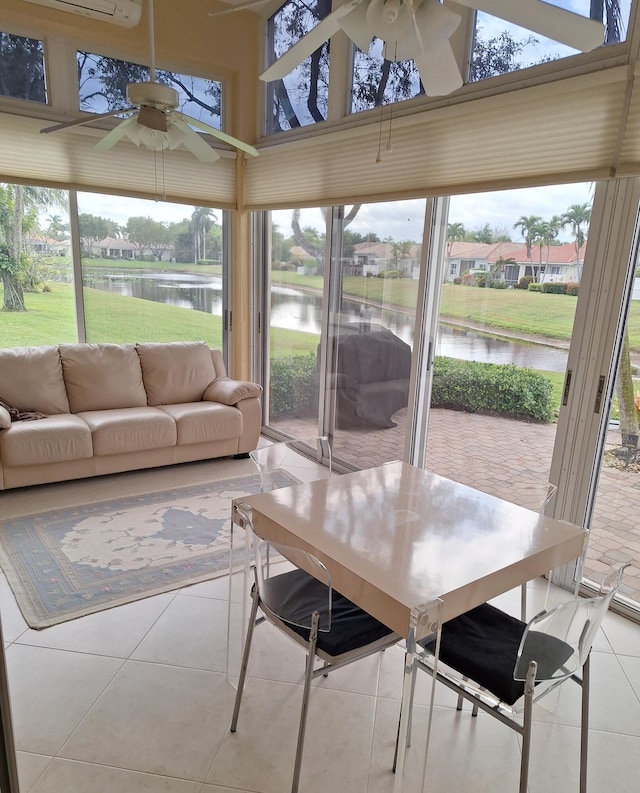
(420, 30)
(154, 119)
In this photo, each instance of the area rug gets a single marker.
(75, 561)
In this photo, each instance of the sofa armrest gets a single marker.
(229, 392)
(5, 418)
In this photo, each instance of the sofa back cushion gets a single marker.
(176, 372)
(31, 379)
(102, 376)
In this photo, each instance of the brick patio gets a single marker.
(458, 440)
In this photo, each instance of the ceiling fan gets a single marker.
(420, 30)
(154, 119)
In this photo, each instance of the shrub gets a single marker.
(524, 282)
(534, 287)
(457, 280)
(498, 284)
(572, 289)
(468, 279)
(554, 289)
(499, 389)
(481, 281)
(293, 385)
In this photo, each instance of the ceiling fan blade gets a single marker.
(545, 19)
(216, 133)
(192, 141)
(439, 70)
(85, 119)
(308, 44)
(355, 26)
(240, 7)
(436, 23)
(116, 134)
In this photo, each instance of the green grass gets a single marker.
(50, 319)
(127, 264)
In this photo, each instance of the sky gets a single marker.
(402, 220)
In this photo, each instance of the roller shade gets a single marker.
(66, 160)
(567, 130)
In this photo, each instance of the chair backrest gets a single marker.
(269, 460)
(291, 583)
(560, 639)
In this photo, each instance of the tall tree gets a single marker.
(608, 12)
(202, 219)
(577, 216)
(529, 226)
(93, 228)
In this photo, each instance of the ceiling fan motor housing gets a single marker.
(162, 97)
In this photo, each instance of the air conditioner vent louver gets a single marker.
(118, 12)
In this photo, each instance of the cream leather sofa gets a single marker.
(113, 408)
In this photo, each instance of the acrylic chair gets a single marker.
(302, 603)
(502, 665)
(271, 462)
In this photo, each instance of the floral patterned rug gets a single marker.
(72, 562)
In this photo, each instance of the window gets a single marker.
(377, 81)
(102, 85)
(500, 47)
(301, 97)
(22, 68)
(36, 275)
(151, 271)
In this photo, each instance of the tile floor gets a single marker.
(135, 698)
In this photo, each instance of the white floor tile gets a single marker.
(30, 766)
(157, 719)
(114, 632)
(75, 777)
(51, 690)
(191, 632)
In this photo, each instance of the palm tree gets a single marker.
(577, 216)
(201, 221)
(18, 207)
(529, 228)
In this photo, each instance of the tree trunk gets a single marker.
(624, 391)
(13, 294)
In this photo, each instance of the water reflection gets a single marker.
(197, 292)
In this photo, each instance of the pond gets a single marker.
(300, 311)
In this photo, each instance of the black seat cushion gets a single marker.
(483, 646)
(295, 595)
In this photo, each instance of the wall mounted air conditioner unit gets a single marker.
(118, 12)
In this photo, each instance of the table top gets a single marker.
(395, 537)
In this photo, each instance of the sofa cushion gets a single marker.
(203, 422)
(5, 418)
(129, 430)
(102, 376)
(228, 391)
(176, 372)
(55, 439)
(31, 379)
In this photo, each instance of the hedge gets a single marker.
(553, 288)
(293, 386)
(470, 386)
(499, 389)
